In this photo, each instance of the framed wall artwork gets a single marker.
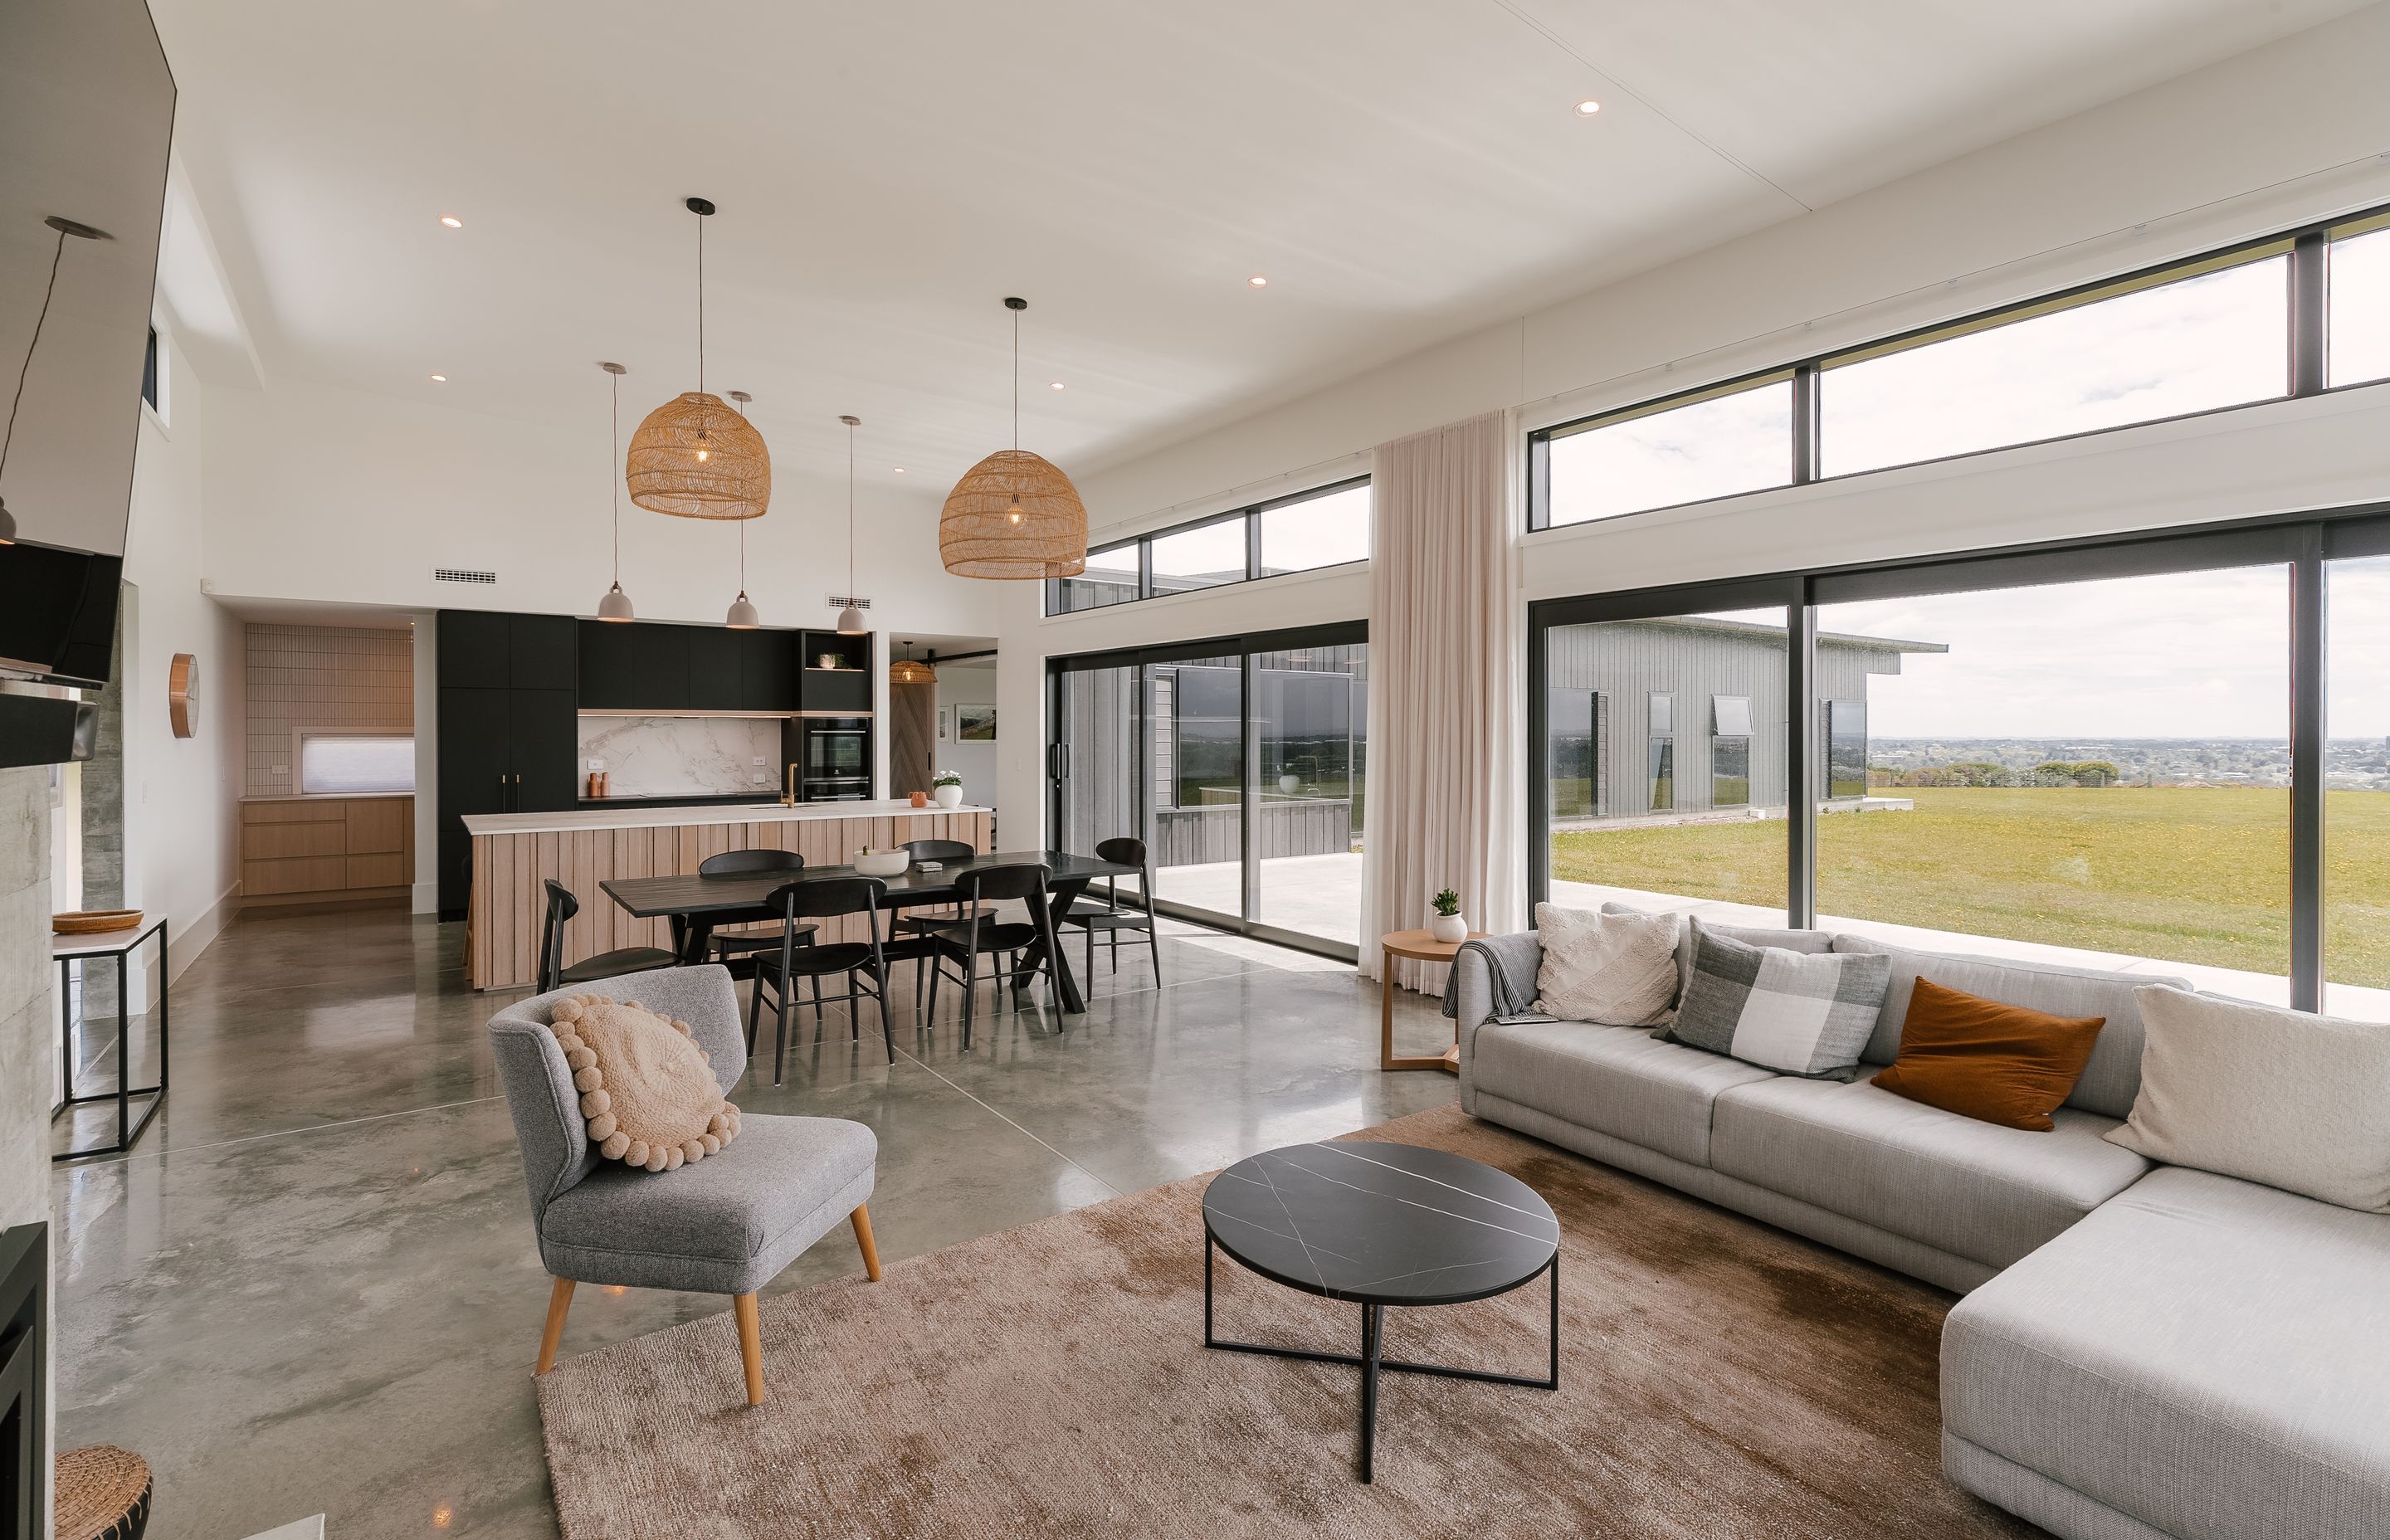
(946, 715)
(975, 723)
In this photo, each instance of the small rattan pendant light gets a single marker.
(914, 671)
(742, 615)
(1014, 514)
(850, 620)
(616, 605)
(694, 456)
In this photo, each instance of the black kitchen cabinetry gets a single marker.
(768, 670)
(846, 686)
(501, 751)
(480, 649)
(508, 736)
(649, 666)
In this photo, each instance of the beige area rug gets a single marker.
(1718, 1379)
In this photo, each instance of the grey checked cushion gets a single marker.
(1802, 1015)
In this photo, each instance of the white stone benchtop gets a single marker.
(715, 813)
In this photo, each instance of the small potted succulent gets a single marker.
(1448, 927)
(948, 786)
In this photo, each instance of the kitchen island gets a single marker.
(516, 854)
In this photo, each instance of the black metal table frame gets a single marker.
(1370, 1360)
(128, 1129)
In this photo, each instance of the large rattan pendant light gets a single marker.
(694, 456)
(850, 620)
(616, 605)
(742, 615)
(1014, 514)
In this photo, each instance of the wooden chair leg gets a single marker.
(560, 1300)
(750, 1345)
(862, 1218)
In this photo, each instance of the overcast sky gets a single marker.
(2192, 655)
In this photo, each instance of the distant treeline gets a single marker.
(2054, 772)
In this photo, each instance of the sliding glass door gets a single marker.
(1241, 763)
(2159, 754)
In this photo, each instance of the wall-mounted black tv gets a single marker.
(86, 119)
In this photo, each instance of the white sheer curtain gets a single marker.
(1447, 723)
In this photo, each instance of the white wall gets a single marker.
(320, 493)
(2286, 134)
(975, 762)
(182, 855)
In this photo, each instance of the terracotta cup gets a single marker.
(921, 799)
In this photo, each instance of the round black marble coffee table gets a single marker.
(1382, 1224)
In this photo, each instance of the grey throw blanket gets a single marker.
(1511, 963)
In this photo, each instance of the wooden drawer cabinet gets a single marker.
(324, 850)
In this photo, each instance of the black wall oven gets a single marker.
(836, 765)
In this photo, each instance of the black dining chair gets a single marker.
(939, 915)
(736, 952)
(1110, 915)
(553, 974)
(979, 936)
(823, 898)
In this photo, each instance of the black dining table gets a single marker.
(697, 905)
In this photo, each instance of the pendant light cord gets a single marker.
(28, 367)
(700, 304)
(1016, 379)
(850, 512)
(617, 479)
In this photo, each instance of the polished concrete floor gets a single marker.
(313, 1287)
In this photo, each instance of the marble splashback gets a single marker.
(682, 756)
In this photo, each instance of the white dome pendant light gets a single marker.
(850, 620)
(742, 615)
(616, 605)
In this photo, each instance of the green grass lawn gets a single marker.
(2189, 875)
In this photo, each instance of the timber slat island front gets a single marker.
(515, 853)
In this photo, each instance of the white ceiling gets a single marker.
(1401, 169)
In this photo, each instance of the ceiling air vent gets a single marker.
(461, 574)
(842, 601)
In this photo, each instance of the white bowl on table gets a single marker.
(882, 863)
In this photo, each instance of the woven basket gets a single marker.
(1013, 514)
(103, 1493)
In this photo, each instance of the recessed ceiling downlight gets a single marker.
(1257, 281)
(1587, 108)
(1056, 386)
(439, 380)
(452, 221)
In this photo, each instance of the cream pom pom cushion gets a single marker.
(646, 1087)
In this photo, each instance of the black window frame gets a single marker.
(1246, 647)
(1252, 515)
(2307, 326)
(2303, 542)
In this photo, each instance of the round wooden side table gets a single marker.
(1419, 946)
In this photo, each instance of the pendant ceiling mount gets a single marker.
(695, 456)
(1014, 514)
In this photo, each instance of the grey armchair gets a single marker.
(726, 1224)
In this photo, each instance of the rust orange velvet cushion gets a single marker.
(1981, 1059)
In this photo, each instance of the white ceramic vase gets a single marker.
(1289, 784)
(1450, 929)
(949, 795)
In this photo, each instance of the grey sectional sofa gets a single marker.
(2144, 1352)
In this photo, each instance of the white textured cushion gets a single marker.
(1617, 969)
(2295, 1100)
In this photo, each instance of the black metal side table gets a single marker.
(1379, 1225)
(69, 952)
